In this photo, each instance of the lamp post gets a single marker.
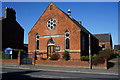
(90, 60)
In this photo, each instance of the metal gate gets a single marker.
(25, 60)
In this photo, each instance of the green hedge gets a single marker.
(14, 56)
(84, 58)
(4, 56)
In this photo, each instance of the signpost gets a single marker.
(8, 51)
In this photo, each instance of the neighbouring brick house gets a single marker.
(105, 40)
(117, 49)
(12, 32)
(55, 31)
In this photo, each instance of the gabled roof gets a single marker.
(72, 19)
(77, 23)
(80, 26)
(103, 37)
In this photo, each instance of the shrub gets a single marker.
(103, 54)
(43, 58)
(5, 56)
(107, 54)
(54, 56)
(84, 58)
(113, 56)
(94, 56)
(98, 60)
(66, 56)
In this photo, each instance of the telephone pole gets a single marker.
(90, 60)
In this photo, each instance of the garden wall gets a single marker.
(9, 61)
(81, 64)
(78, 63)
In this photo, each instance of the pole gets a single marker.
(11, 53)
(11, 56)
(90, 60)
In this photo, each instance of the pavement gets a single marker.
(114, 64)
(61, 69)
(113, 70)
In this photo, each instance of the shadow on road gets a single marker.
(110, 65)
(21, 76)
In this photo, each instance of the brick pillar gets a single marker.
(106, 63)
(33, 58)
(19, 57)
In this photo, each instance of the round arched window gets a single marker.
(51, 24)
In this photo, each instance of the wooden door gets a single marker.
(50, 50)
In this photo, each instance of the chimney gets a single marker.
(10, 13)
(69, 12)
(80, 22)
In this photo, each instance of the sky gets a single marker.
(96, 17)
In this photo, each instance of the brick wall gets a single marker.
(83, 64)
(9, 61)
(65, 63)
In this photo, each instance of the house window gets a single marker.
(37, 41)
(67, 40)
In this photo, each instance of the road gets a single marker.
(15, 74)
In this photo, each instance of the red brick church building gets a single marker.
(57, 32)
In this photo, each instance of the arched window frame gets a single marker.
(37, 41)
(67, 37)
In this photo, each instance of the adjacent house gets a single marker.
(12, 32)
(105, 40)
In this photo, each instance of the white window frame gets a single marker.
(37, 39)
(67, 38)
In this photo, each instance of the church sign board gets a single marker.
(57, 48)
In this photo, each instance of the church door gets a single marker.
(50, 48)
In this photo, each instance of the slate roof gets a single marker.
(103, 37)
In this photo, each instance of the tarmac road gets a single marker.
(15, 74)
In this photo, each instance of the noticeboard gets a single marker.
(57, 48)
(8, 51)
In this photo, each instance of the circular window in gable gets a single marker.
(51, 23)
